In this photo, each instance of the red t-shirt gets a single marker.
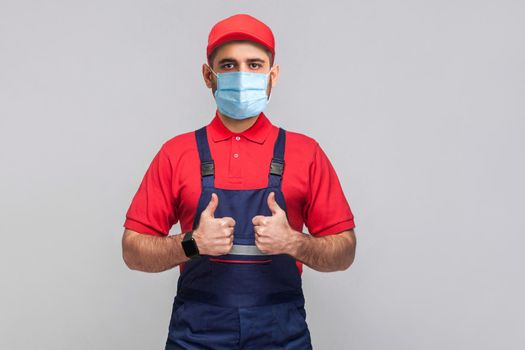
(170, 189)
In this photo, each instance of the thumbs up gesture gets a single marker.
(214, 236)
(273, 234)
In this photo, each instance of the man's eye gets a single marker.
(255, 65)
(227, 65)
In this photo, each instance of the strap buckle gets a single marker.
(277, 166)
(207, 168)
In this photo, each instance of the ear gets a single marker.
(207, 75)
(274, 75)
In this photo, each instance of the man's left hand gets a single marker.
(273, 234)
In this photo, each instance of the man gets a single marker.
(242, 189)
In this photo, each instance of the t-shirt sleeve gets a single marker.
(152, 210)
(327, 211)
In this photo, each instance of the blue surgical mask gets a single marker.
(241, 95)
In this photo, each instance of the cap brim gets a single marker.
(238, 36)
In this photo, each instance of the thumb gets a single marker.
(272, 204)
(212, 205)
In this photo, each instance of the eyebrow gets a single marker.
(231, 59)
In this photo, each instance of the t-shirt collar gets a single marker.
(256, 133)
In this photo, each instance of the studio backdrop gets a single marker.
(418, 105)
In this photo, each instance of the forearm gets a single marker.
(148, 253)
(325, 253)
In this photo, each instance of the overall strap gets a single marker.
(207, 164)
(277, 164)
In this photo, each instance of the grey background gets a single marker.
(418, 104)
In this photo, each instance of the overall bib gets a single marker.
(244, 299)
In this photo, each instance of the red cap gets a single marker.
(240, 27)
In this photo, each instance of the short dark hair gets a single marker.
(212, 55)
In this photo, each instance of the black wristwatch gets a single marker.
(189, 245)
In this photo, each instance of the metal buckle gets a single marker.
(207, 168)
(277, 166)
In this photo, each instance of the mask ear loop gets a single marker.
(268, 77)
(216, 78)
(212, 71)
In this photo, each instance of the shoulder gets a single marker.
(300, 143)
(180, 145)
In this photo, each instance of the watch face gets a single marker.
(190, 247)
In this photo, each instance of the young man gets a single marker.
(242, 189)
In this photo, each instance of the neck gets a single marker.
(237, 125)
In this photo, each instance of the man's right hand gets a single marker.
(214, 236)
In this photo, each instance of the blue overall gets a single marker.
(244, 299)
